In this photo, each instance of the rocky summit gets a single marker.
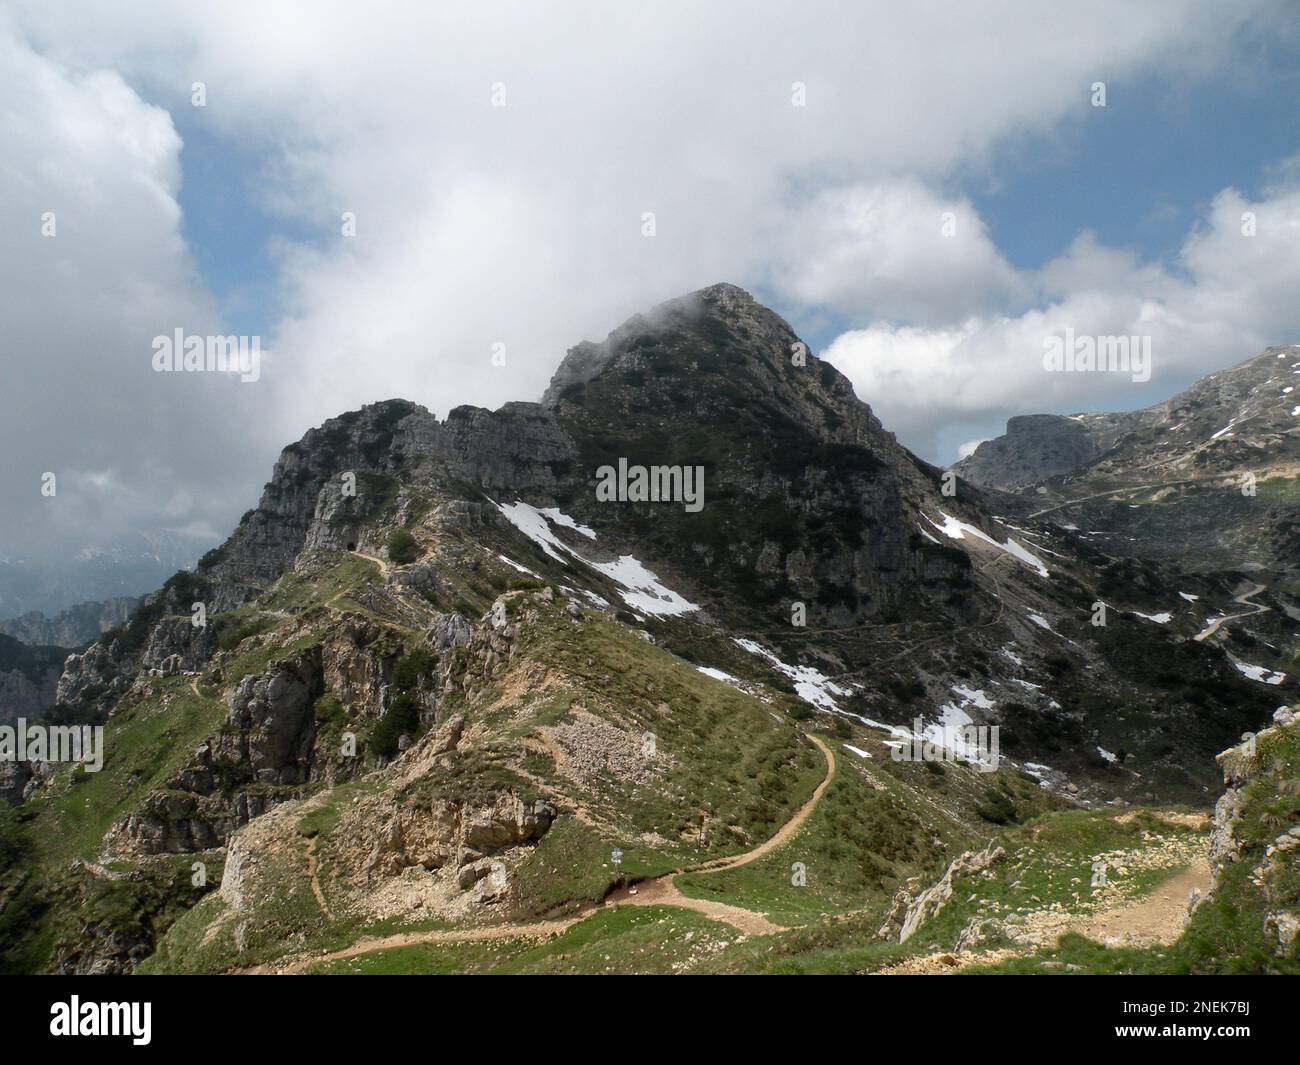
(692, 667)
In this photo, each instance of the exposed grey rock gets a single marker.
(83, 675)
(271, 726)
(907, 913)
(29, 678)
(445, 833)
(1282, 930)
(179, 638)
(13, 781)
(1039, 446)
(449, 630)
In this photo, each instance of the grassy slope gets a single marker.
(1226, 933)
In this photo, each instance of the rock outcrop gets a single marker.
(912, 908)
(1256, 775)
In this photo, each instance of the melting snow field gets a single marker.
(1259, 673)
(811, 685)
(816, 688)
(718, 674)
(959, 530)
(558, 517)
(532, 523)
(973, 697)
(512, 562)
(642, 590)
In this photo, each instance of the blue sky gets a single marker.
(521, 224)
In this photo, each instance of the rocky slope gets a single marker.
(439, 682)
(1206, 479)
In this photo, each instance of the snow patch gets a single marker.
(718, 674)
(532, 523)
(521, 569)
(642, 589)
(974, 697)
(955, 529)
(1259, 673)
(811, 685)
(558, 517)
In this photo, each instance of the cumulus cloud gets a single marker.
(94, 268)
(1229, 294)
(522, 224)
(894, 250)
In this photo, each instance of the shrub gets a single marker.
(403, 548)
(230, 634)
(403, 717)
(407, 671)
(997, 809)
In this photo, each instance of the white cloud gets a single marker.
(521, 224)
(1226, 298)
(90, 163)
(895, 250)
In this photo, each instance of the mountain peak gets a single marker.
(703, 320)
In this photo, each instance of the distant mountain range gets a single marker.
(122, 570)
(75, 627)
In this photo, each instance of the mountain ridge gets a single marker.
(440, 681)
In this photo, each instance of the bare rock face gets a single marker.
(179, 822)
(1244, 767)
(908, 912)
(14, 777)
(261, 756)
(386, 837)
(715, 380)
(93, 678)
(29, 678)
(449, 630)
(270, 726)
(1039, 446)
(178, 638)
(75, 627)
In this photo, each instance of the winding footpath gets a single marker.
(1154, 919)
(656, 891)
(1214, 624)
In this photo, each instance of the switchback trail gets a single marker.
(1215, 623)
(656, 891)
